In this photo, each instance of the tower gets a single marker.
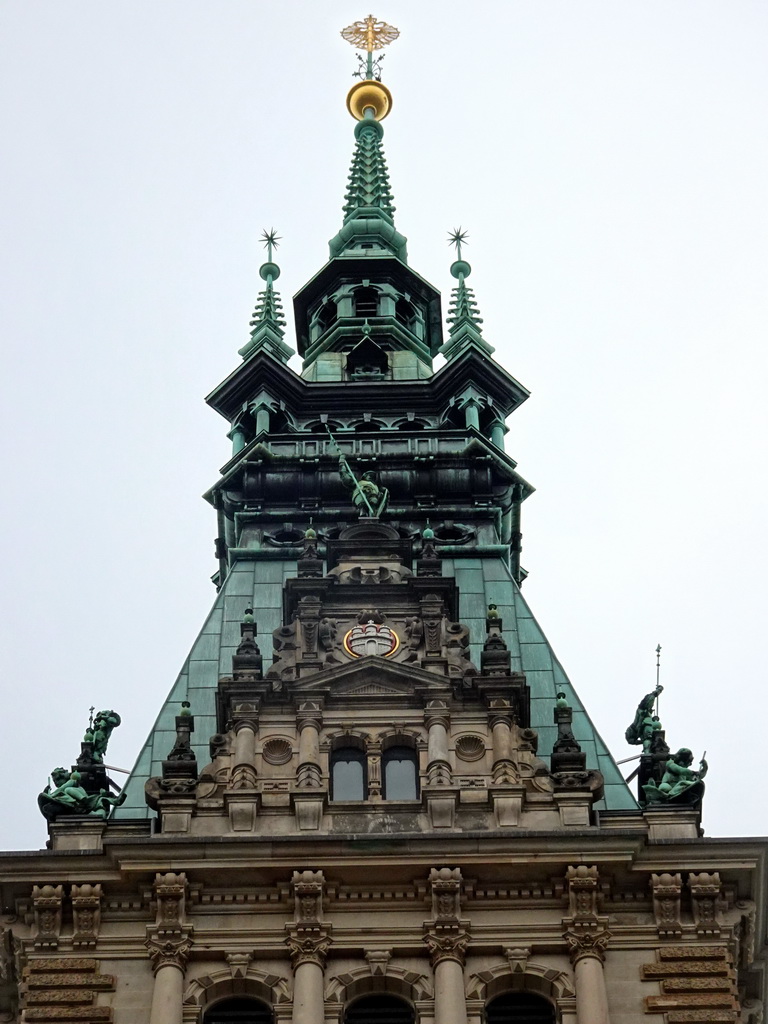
(372, 793)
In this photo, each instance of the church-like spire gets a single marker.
(368, 176)
(267, 323)
(463, 315)
(369, 226)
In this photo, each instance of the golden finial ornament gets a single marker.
(370, 34)
(369, 98)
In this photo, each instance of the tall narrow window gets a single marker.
(239, 1011)
(520, 1008)
(400, 774)
(348, 774)
(380, 1009)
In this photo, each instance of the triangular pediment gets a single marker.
(373, 679)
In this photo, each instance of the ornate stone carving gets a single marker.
(447, 945)
(308, 897)
(308, 948)
(705, 894)
(666, 904)
(168, 952)
(86, 913)
(378, 959)
(238, 964)
(587, 944)
(582, 894)
(445, 884)
(46, 901)
(169, 939)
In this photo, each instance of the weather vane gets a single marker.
(458, 237)
(370, 35)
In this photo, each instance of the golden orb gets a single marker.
(369, 93)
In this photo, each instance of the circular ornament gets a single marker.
(277, 751)
(470, 748)
(372, 638)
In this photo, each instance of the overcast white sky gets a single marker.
(609, 159)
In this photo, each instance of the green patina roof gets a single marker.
(369, 211)
(260, 583)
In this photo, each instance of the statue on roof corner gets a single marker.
(64, 795)
(646, 725)
(680, 784)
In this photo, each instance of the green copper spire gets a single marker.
(368, 177)
(463, 315)
(267, 322)
(369, 224)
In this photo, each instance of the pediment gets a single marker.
(371, 679)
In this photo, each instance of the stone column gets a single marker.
(437, 720)
(441, 796)
(245, 745)
(587, 955)
(168, 943)
(308, 1005)
(308, 721)
(587, 937)
(169, 965)
(447, 939)
(308, 941)
(309, 795)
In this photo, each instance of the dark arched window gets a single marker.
(366, 302)
(239, 1011)
(400, 774)
(326, 316)
(348, 773)
(404, 312)
(520, 1008)
(379, 1010)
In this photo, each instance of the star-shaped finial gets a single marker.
(458, 237)
(271, 240)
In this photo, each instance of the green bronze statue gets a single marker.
(680, 784)
(367, 496)
(646, 724)
(64, 796)
(99, 731)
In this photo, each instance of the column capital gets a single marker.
(308, 948)
(587, 944)
(447, 945)
(165, 951)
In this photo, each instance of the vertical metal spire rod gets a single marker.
(658, 670)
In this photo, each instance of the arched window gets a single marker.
(239, 1011)
(348, 771)
(401, 777)
(519, 1008)
(380, 1009)
(366, 302)
(326, 316)
(404, 312)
